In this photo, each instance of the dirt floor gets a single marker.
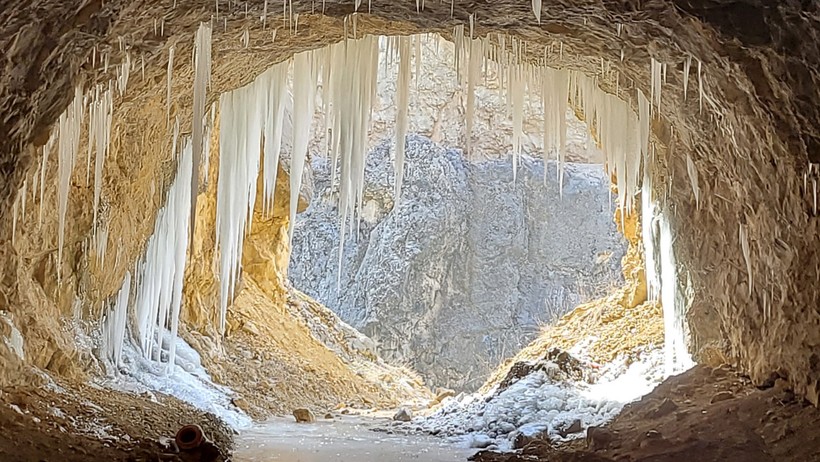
(60, 422)
(704, 415)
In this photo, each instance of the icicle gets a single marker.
(686, 66)
(700, 86)
(402, 106)
(693, 179)
(303, 109)
(14, 210)
(49, 146)
(656, 83)
(124, 72)
(168, 79)
(744, 245)
(160, 275)
(516, 90)
(70, 124)
(100, 124)
(536, 8)
(277, 77)
(476, 58)
(202, 75)
(114, 323)
(554, 99)
(244, 116)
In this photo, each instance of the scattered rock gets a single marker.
(303, 415)
(328, 416)
(442, 394)
(240, 402)
(403, 415)
(523, 438)
(666, 407)
(599, 438)
(481, 441)
(574, 427)
(722, 396)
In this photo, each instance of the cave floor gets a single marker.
(344, 438)
(703, 415)
(70, 421)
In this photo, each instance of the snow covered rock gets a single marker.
(466, 253)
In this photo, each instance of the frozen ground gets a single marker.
(539, 404)
(345, 438)
(187, 380)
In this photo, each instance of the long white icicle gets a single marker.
(69, 127)
(202, 76)
(402, 107)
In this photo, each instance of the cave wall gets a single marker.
(750, 142)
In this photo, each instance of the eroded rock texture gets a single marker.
(750, 142)
(462, 271)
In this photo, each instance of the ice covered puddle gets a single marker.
(538, 404)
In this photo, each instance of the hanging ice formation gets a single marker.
(158, 291)
(402, 105)
(99, 135)
(202, 76)
(114, 323)
(68, 144)
(168, 84)
(305, 71)
(554, 97)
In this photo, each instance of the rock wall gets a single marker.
(466, 267)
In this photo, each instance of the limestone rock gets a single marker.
(480, 257)
(303, 415)
(721, 396)
(574, 427)
(403, 415)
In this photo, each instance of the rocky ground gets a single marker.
(66, 422)
(704, 414)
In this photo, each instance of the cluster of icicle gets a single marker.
(252, 123)
(157, 287)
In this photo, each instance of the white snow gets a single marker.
(536, 403)
(189, 381)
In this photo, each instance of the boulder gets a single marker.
(303, 415)
(403, 415)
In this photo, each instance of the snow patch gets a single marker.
(537, 404)
(189, 381)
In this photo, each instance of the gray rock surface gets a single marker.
(464, 269)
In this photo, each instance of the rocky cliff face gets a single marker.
(464, 268)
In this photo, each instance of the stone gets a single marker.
(666, 407)
(403, 415)
(442, 394)
(721, 396)
(328, 416)
(303, 415)
(521, 438)
(574, 427)
(481, 441)
(599, 438)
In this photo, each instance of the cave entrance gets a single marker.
(473, 260)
